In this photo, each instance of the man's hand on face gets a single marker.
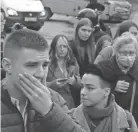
(37, 93)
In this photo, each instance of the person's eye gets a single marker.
(31, 65)
(123, 53)
(132, 53)
(65, 46)
(84, 30)
(90, 88)
(45, 64)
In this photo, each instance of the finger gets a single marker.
(32, 79)
(30, 91)
(25, 92)
(30, 97)
(28, 84)
(62, 79)
(44, 79)
(122, 91)
(125, 88)
(36, 85)
(27, 89)
(125, 83)
(25, 80)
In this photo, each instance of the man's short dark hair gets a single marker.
(24, 38)
(95, 70)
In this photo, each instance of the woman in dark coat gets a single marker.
(126, 26)
(122, 71)
(63, 71)
(83, 45)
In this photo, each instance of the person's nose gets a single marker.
(40, 72)
(83, 91)
(87, 33)
(62, 48)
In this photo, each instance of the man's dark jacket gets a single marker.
(55, 121)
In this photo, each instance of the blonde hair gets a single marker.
(125, 38)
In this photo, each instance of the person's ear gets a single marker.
(107, 91)
(6, 64)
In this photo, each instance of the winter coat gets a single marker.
(113, 73)
(122, 121)
(55, 121)
(84, 63)
(71, 93)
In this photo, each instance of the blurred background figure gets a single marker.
(83, 45)
(103, 42)
(127, 26)
(122, 71)
(63, 73)
(2, 25)
(99, 27)
(99, 8)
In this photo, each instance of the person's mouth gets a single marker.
(82, 98)
(62, 53)
(86, 37)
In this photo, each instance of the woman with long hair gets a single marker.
(63, 72)
(83, 45)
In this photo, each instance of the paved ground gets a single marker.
(65, 25)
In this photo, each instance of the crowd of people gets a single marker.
(87, 84)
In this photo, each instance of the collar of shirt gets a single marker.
(24, 113)
(16, 103)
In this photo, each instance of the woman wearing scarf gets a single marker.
(99, 112)
(83, 45)
(126, 26)
(122, 71)
(63, 71)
